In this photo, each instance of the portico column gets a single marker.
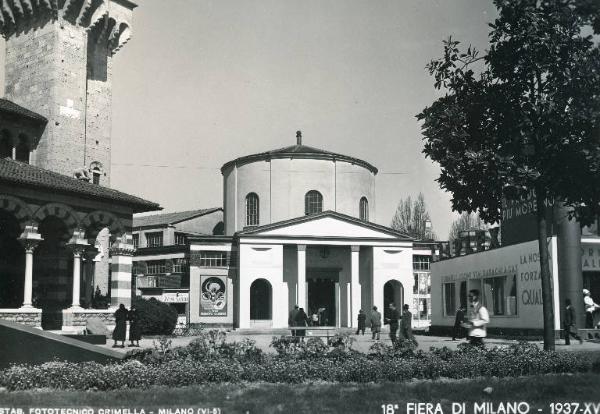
(121, 253)
(88, 274)
(301, 289)
(355, 290)
(30, 239)
(77, 245)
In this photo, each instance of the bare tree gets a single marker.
(466, 221)
(411, 218)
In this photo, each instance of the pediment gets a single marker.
(327, 225)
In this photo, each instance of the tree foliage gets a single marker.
(411, 217)
(528, 120)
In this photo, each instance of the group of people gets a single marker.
(570, 321)
(122, 315)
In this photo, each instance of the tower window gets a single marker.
(364, 209)
(252, 218)
(313, 202)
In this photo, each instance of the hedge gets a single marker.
(210, 360)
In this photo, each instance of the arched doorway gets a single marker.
(261, 300)
(12, 262)
(393, 292)
(52, 272)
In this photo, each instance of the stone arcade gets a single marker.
(64, 232)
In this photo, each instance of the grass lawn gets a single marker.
(538, 391)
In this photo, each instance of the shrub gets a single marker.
(155, 317)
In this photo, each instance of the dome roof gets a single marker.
(298, 151)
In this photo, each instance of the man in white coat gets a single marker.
(478, 319)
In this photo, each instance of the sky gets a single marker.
(202, 82)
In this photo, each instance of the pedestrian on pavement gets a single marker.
(301, 320)
(458, 331)
(590, 308)
(478, 319)
(362, 322)
(406, 325)
(292, 318)
(393, 322)
(570, 323)
(121, 326)
(375, 319)
(135, 330)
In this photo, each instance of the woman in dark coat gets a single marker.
(135, 331)
(301, 320)
(121, 326)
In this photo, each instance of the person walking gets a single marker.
(570, 323)
(406, 325)
(590, 308)
(121, 326)
(135, 330)
(478, 319)
(292, 318)
(393, 322)
(458, 331)
(362, 322)
(375, 319)
(301, 319)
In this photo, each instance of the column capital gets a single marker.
(355, 248)
(30, 238)
(123, 246)
(301, 247)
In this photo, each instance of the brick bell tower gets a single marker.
(58, 64)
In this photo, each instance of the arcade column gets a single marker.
(121, 253)
(29, 239)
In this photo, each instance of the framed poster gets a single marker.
(213, 295)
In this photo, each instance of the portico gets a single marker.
(328, 263)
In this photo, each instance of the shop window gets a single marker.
(313, 202)
(449, 299)
(499, 295)
(154, 239)
(364, 209)
(252, 218)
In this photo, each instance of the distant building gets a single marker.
(508, 275)
(298, 224)
(161, 261)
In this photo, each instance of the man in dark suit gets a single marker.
(393, 322)
(570, 324)
(458, 331)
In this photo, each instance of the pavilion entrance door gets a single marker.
(322, 297)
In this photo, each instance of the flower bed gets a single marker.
(209, 359)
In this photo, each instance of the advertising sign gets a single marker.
(213, 295)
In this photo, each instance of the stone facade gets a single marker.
(31, 317)
(58, 64)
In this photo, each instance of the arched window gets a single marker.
(22, 152)
(364, 209)
(313, 202)
(252, 218)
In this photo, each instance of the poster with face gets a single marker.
(213, 296)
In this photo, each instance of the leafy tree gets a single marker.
(529, 120)
(411, 218)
